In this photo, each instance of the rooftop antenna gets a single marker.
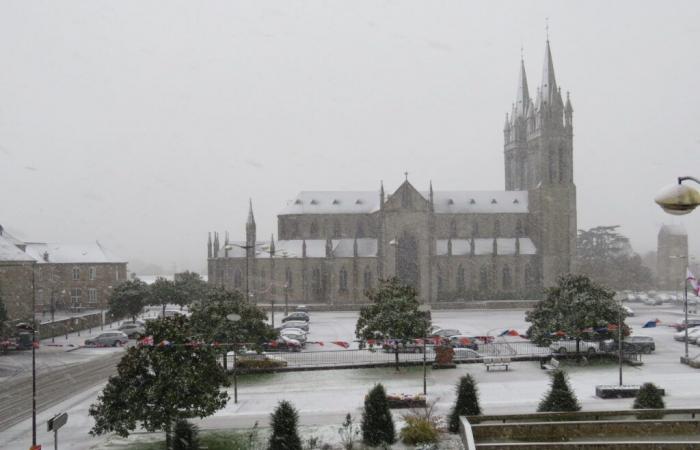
(522, 57)
(405, 174)
(546, 27)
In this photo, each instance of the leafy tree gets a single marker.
(193, 289)
(560, 397)
(392, 314)
(575, 306)
(467, 403)
(284, 423)
(128, 298)
(159, 384)
(209, 320)
(164, 292)
(377, 423)
(186, 436)
(607, 257)
(649, 397)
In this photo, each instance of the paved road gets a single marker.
(52, 387)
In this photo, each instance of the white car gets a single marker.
(465, 353)
(628, 310)
(569, 346)
(693, 335)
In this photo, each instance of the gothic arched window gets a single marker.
(552, 167)
(461, 285)
(475, 229)
(316, 282)
(519, 228)
(288, 278)
(343, 280)
(453, 228)
(237, 279)
(562, 166)
(368, 278)
(496, 228)
(360, 230)
(313, 229)
(506, 281)
(336, 229)
(484, 278)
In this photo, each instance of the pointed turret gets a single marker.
(354, 248)
(329, 248)
(449, 246)
(381, 195)
(209, 246)
(303, 248)
(432, 203)
(250, 234)
(522, 95)
(568, 112)
(272, 245)
(216, 245)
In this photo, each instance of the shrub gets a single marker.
(348, 433)
(419, 430)
(185, 436)
(284, 428)
(649, 397)
(560, 397)
(467, 403)
(377, 423)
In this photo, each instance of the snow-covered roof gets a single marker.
(676, 230)
(10, 253)
(333, 202)
(315, 248)
(445, 202)
(484, 246)
(463, 202)
(71, 253)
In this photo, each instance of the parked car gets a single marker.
(463, 341)
(692, 323)
(300, 316)
(633, 344)
(294, 333)
(244, 358)
(462, 354)
(110, 339)
(132, 322)
(404, 347)
(302, 308)
(693, 334)
(569, 346)
(295, 324)
(132, 330)
(628, 310)
(445, 333)
(172, 313)
(283, 344)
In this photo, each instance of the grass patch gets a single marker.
(211, 440)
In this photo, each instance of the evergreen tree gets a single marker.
(284, 428)
(377, 423)
(649, 397)
(128, 299)
(186, 436)
(560, 397)
(467, 403)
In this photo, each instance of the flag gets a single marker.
(649, 324)
(146, 341)
(341, 344)
(503, 333)
(512, 332)
(693, 282)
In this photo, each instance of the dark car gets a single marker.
(692, 323)
(110, 339)
(632, 344)
(301, 316)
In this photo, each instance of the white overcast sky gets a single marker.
(145, 124)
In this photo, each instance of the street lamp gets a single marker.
(233, 317)
(685, 301)
(425, 309)
(679, 199)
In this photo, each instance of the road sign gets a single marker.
(57, 421)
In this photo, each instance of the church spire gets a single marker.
(250, 231)
(548, 89)
(522, 95)
(251, 218)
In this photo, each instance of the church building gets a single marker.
(452, 246)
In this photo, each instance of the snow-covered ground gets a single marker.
(324, 397)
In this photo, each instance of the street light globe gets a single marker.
(678, 199)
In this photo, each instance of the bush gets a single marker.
(284, 428)
(467, 403)
(649, 397)
(185, 436)
(560, 397)
(348, 432)
(419, 430)
(377, 423)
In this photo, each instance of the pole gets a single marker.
(272, 307)
(55, 438)
(33, 356)
(286, 300)
(685, 302)
(425, 350)
(247, 274)
(235, 375)
(619, 339)
(53, 310)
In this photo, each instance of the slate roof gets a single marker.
(445, 202)
(10, 253)
(71, 253)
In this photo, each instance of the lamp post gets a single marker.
(619, 338)
(233, 317)
(425, 309)
(34, 355)
(685, 302)
(679, 199)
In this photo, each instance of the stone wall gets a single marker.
(16, 289)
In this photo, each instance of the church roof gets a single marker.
(446, 202)
(484, 246)
(315, 248)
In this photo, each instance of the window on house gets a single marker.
(343, 280)
(75, 296)
(484, 278)
(76, 273)
(116, 277)
(92, 273)
(92, 295)
(313, 229)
